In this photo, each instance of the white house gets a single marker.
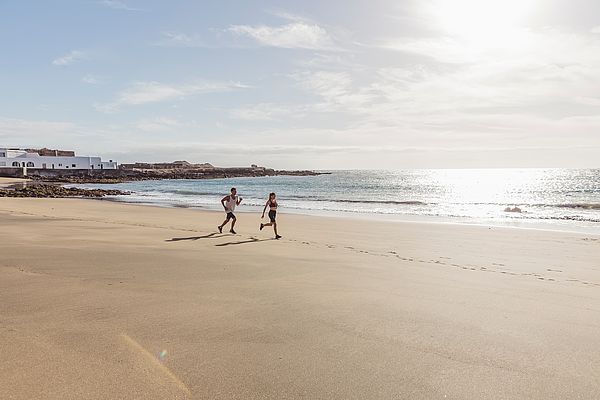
(19, 158)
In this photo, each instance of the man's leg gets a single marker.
(232, 224)
(223, 224)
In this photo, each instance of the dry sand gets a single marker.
(100, 300)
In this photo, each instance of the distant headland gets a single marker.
(65, 166)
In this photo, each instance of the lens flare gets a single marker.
(162, 356)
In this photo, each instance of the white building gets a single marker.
(19, 158)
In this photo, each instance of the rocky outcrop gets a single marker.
(54, 191)
(126, 175)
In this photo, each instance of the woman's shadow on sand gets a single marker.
(251, 240)
(215, 235)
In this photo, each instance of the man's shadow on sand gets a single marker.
(251, 240)
(210, 235)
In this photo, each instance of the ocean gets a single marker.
(567, 199)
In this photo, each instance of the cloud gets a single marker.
(179, 39)
(12, 128)
(118, 5)
(159, 124)
(294, 35)
(337, 90)
(90, 79)
(595, 29)
(69, 58)
(267, 112)
(140, 93)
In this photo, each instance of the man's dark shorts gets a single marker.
(272, 215)
(230, 215)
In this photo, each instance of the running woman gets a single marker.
(229, 202)
(272, 204)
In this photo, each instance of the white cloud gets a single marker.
(91, 79)
(336, 89)
(545, 69)
(151, 92)
(118, 5)
(179, 39)
(595, 29)
(295, 35)
(267, 112)
(12, 128)
(327, 84)
(159, 124)
(69, 58)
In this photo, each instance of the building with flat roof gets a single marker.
(50, 159)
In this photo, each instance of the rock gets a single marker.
(55, 191)
(514, 209)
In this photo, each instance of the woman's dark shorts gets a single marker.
(272, 215)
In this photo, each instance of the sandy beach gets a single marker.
(102, 300)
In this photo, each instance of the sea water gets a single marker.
(563, 198)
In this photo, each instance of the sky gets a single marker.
(306, 84)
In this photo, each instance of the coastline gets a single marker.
(99, 289)
(552, 226)
(41, 189)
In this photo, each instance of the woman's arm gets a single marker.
(265, 209)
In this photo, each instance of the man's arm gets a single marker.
(223, 200)
(239, 201)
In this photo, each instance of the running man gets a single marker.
(272, 204)
(229, 202)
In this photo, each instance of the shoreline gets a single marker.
(559, 225)
(539, 225)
